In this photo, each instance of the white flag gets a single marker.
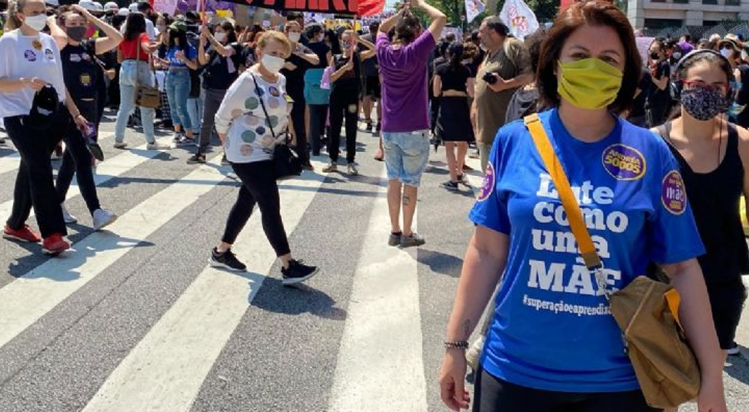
(473, 9)
(519, 18)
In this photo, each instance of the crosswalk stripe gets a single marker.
(374, 371)
(168, 366)
(105, 171)
(28, 298)
(10, 162)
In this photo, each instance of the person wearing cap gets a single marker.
(179, 58)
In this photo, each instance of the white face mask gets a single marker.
(272, 63)
(294, 37)
(38, 22)
(727, 53)
(220, 36)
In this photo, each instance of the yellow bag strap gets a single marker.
(571, 207)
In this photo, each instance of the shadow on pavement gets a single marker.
(296, 300)
(439, 262)
(738, 367)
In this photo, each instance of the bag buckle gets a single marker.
(597, 271)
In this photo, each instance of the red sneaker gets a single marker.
(54, 245)
(24, 234)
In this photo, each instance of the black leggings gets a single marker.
(35, 184)
(77, 159)
(340, 107)
(318, 116)
(298, 114)
(258, 186)
(495, 395)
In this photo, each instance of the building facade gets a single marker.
(656, 14)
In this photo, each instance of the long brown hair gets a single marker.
(14, 7)
(594, 13)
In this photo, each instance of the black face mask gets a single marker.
(76, 33)
(654, 55)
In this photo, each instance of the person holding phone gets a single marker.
(83, 78)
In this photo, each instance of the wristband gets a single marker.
(462, 344)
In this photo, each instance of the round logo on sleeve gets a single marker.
(673, 193)
(49, 54)
(487, 186)
(624, 162)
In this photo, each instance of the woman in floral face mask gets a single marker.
(553, 344)
(712, 154)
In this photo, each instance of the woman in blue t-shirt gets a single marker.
(553, 344)
(180, 58)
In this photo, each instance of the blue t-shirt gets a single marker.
(190, 53)
(552, 328)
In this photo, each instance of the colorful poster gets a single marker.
(473, 9)
(165, 6)
(519, 17)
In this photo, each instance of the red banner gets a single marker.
(317, 6)
(371, 7)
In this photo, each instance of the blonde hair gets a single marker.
(274, 35)
(14, 7)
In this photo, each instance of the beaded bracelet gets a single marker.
(456, 345)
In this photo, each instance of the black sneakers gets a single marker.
(227, 260)
(197, 158)
(297, 272)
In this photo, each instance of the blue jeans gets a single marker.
(406, 155)
(128, 72)
(195, 109)
(178, 89)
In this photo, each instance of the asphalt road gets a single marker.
(135, 320)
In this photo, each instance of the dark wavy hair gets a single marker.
(593, 13)
(407, 28)
(455, 52)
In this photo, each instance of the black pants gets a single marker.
(300, 126)
(258, 186)
(495, 395)
(340, 107)
(34, 183)
(213, 99)
(318, 116)
(77, 159)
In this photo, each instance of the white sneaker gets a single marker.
(67, 217)
(157, 146)
(120, 145)
(103, 218)
(734, 350)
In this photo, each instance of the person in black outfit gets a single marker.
(453, 84)
(221, 61)
(316, 97)
(344, 98)
(659, 98)
(84, 80)
(294, 68)
(712, 155)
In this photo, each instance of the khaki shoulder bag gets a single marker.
(647, 311)
(145, 96)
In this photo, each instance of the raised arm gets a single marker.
(112, 37)
(438, 19)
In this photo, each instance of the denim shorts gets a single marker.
(406, 155)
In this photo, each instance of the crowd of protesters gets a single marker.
(251, 88)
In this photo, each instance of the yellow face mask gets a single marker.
(589, 83)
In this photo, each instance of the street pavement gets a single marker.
(134, 319)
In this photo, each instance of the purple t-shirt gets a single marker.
(404, 83)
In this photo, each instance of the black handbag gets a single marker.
(286, 162)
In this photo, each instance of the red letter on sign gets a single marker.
(323, 5)
(353, 6)
(339, 5)
(269, 2)
(313, 4)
